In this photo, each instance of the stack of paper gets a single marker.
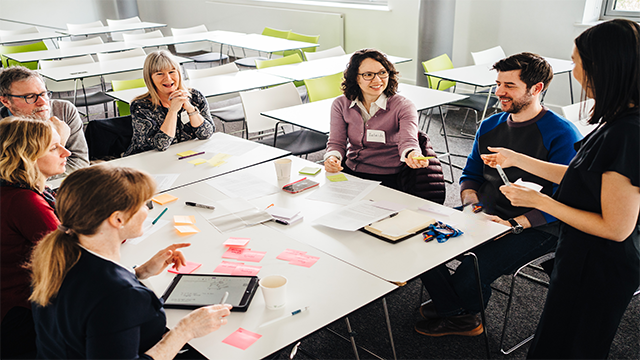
(283, 215)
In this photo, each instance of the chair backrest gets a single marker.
(304, 38)
(29, 30)
(9, 49)
(291, 59)
(325, 87)
(121, 54)
(257, 101)
(578, 111)
(119, 36)
(69, 85)
(212, 71)
(93, 24)
(117, 85)
(335, 51)
(150, 35)
(72, 44)
(488, 56)
(191, 47)
(282, 34)
(438, 63)
(108, 138)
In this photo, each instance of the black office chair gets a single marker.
(109, 138)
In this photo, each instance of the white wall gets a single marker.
(55, 13)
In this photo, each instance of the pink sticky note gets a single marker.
(226, 267)
(290, 254)
(233, 253)
(253, 256)
(246, 270)
(236, 242)
(242, 338)
(187, 269)
(304, 260)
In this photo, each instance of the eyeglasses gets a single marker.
(33, 98)
(368, 76)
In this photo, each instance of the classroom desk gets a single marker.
(263, 43)
(214, 85)
(327, 286)
(316, 115)
(187, 38)
(31, 37)
(109, 29)
(397, 263)
(318, 68)
(70, 52)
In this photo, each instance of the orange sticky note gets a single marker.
(184, 219)
(163, 199)
(187, 269)
(187, 229)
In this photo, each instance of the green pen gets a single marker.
(159, 216)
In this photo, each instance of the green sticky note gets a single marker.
(337, 177)
(309, 170)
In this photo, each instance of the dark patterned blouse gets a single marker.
(147, 119)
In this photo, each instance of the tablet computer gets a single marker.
(192, 291)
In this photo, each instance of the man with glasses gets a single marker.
(23, 93)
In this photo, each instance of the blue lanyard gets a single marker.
(441, 232)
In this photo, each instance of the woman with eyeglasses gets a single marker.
(597, 263)
(30, 152)
(373, 129)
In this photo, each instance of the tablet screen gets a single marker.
(203, 290)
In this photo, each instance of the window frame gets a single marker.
(609, 13)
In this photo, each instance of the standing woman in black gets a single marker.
(597, 265)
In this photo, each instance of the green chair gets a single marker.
(441, 62)
(291, 59)
(282, 34)
(117, 85)
(304, 38)
(6, 62)
(251, 61)
(325, 87)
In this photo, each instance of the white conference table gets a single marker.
(19, 38)
(70, 52)
(318, 68)
(316, 115)
(327, 287)
(397, 263)
(100, 68)
(214, 85)
(187, 38)
(109, 29)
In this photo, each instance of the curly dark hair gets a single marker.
(350, 86)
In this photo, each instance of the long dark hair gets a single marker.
(350, 86)
(610, 54)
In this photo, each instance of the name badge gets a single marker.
(184, 117)
(375, 136)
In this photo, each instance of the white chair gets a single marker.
(213, 71)
(71, 44)
(336, 51)
(131, 38)
(118, 36)
(210, 56)
(488, 56)
(578, 114)
(29, 30)
(136, 74)
(85, 99)
(299, 142)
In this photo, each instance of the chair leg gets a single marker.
(386, 315)
(446, 143)
(481, 299)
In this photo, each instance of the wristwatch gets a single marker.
(515, 227)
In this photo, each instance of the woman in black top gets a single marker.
(597, 264)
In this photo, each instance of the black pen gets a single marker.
(188, 203)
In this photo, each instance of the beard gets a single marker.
(518, 104)
(36, 114)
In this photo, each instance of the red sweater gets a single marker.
(25, 217)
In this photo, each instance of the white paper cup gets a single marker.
(274, 289)
(283, 169)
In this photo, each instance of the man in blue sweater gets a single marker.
(527, 127)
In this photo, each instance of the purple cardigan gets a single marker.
(348, 134)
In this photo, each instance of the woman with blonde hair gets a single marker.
(87, 305)
(30, 152)
(169, 112)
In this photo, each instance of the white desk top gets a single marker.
(316, 115)
(115, 28)
(263, 43)
(214, 85)
(393, 262)
(327, 286)
(318, 68)
(11, 39)
(99, 68)
(181, 39)
(70, 52)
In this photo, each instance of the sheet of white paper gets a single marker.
(227, 146)
(530, 185)
(148, 229)
(236, 214)
(283, 213)
(354, 217)
(433, 208)
(344, 192)
(165, 181)
(389, 205)
(245, 186)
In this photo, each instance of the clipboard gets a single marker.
(403, 225)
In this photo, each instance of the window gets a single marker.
(365, 2)
(629, 9)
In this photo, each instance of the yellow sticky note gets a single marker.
(197, 161)
(186, 229)
(423, 157)
(184, 219)
(218, 159)
(217, 163)
(186, 153)
(164, 198)
(337, 177)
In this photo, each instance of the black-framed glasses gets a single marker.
(368, 76)
(33, 98)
